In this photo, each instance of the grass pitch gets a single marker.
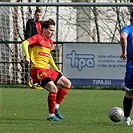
(85, 111)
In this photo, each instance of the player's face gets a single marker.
(38, 16)
(48, 33)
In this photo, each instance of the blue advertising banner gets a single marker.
(93, 64)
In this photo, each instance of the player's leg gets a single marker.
(41, 76)
(36, 86)
(127, 105)
(27, 75)
(49, 85)
(65, 86)
(127, 101)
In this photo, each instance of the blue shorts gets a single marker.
(129, 79)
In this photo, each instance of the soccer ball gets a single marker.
(116, 114)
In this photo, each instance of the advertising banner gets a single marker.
(88, 64)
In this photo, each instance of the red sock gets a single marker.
(61, 94)
(51, 102)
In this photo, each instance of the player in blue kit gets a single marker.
(126, 41)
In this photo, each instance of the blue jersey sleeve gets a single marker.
(125, 29)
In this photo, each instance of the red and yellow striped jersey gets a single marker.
(40, 51)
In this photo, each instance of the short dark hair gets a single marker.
(38, 10)
(46, 23)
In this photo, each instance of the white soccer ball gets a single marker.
(116, 114)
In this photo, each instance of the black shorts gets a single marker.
(48, 79)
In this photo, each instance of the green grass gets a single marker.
(85, 111)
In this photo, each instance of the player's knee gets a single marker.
(129, 94)
(49, 85)
(68, 83)
(52, 88)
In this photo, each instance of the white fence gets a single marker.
(75, 22)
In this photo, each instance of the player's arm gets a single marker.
(123, 43)
(25, 45)
(52, 63)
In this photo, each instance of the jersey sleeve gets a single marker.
(125, 29)
(25, 45)
(33, 39)
(52, 63)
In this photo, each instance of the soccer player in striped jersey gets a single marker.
(37, 50)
